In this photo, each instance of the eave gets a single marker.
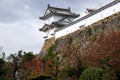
(46, 16)
(65, 15)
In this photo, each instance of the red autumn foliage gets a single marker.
(49, 67)
(28, 65)
(104, 52)
(32, 66)
(72, 53)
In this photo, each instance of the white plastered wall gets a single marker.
(90, 20)
(52, 19)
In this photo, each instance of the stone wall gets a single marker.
(79, 39)
(48, 43)
(82, 36)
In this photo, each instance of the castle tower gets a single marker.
(56, 18)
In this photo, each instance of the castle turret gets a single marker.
(56, 18)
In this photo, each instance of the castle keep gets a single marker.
(56, 18)
(60, 22)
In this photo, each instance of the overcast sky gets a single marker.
(19, 21)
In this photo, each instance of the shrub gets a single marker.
(63, 74)
(89, 32)
(72, 72)
(43, 77)
(93, 73)
(69, 41)
(28, 56)
(49, 54)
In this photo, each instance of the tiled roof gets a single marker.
(45, 28)
(58, 11)
(59, 23)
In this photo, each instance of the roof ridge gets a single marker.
(65, 9)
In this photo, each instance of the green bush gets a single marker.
(28, 56)
(71, 72)
(69, 41)
(89, 32)
(49, 54)
(43, 77)
(93, 73)
(66, 72)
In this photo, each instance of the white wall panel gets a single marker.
(90, 20)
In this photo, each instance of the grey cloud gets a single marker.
(15, 10)
(21, 36)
